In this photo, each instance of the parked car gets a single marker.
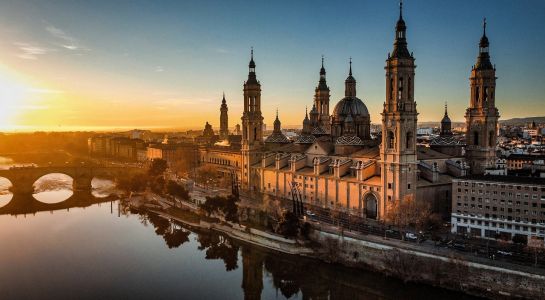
(411, 236)
(505, 253)
(310, 213)
(459, 246)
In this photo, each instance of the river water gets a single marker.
(105, 251)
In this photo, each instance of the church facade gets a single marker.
(336, 163)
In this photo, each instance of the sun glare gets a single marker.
(12, 98)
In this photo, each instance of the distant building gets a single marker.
(224, 120)
(520, 161)
(446, 142)
(499, 206)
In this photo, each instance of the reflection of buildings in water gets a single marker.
(252, 273)
(301, 277)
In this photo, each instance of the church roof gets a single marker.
(278, 138)
(305, 139)
(318, 131)
(349, 140)
(446, 141)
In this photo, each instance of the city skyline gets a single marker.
(150, 65)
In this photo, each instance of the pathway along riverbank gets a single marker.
(393, 258)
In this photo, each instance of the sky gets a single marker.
(96, 65)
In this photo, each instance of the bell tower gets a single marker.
(321, 100)
(252, 126)
(482, 114)
(399, 117)
(224, 123)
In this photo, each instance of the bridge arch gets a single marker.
(53, 188)
(5, 191)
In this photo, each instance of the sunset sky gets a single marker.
(164, 64)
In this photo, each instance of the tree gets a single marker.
(288, 225)
(158, 167)
(225, 206)
(408, 213)
(177, 190)
(135, 183)
(206, 174)
(158, 185)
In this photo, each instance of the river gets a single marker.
(105, 251)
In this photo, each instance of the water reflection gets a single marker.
(5, 194)
(108, 251)
(265, 273)
(53, 188)
(102, 187)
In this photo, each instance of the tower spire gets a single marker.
(350, 72)
(400, 9)
(484, 26)
(446, 113)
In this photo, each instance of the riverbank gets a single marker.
(393, 258)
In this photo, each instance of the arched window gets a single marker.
(477, 96)
(391, 88)
(475, 138)
(409, 88)
(400, 88)
(255, 133)
(409, 141)
(390, 140)
(491, 135)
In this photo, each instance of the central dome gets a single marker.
(350, 105)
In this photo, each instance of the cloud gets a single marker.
(45, 91)
(159, 69)
(30, 51)
(222, 50)
(67, 41)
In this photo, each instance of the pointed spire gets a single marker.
(350, 83)
(400, 44)
(322, 60)
(277, 113)
(252, 63)
(446, 113)
(251, 74)
(306, 112)
(223, 99)
(483, 60)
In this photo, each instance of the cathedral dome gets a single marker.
(350, 106)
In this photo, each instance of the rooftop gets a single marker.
(506, 179)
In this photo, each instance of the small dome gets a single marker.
(350, 105)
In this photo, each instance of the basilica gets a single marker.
(336, 163)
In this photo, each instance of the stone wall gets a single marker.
(445, 272)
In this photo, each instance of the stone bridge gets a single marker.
(23, 178)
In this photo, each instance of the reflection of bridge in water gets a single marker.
(23, 178)
(23, 204)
